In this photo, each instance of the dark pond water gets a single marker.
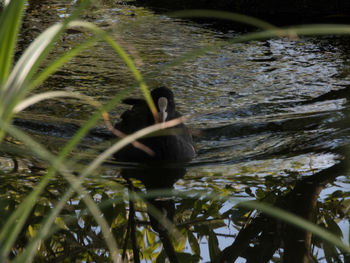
(266, 115)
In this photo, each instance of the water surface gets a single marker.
(259, 119)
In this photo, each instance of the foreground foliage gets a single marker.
(44, 222)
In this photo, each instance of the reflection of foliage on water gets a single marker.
(197, 219)
(77, 237)
(332, 212)
(298, 195)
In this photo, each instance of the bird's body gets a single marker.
(171, 150)
(174, 145)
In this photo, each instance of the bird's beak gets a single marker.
(162, 105)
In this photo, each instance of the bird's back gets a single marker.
(173, 145)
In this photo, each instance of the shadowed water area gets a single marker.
(269, 121)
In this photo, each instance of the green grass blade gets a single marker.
(275, 212)
(10, 21)
(55, 94)
(23, 210)
(298, 222)
(16, 86)
(46, 226)
(138, 76)
(19, 77)
(230, 16)
(10, 231)
(64, 153)
(12, 227)
(64, 58)
(16, 221)
(124, 56)
(289, 32)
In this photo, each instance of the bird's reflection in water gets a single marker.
(161, 176)
(171, 151)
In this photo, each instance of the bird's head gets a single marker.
(164, 100)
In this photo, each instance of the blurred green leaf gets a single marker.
(297, 221)
(331, 253)
(260, 194)
(249, 192)
(124, 56)
(333, 226)
(194, 243)
(237, 214)
(202, 229)
(346, 257)
(337, 194)
(17, 83)
(180, 241)
(148, 252)
(151, 237)
(199, 207)
(10, 21)
(188, 258)
(217, 223)
(225, 16)
(213, 209)
(346, 206)
(61, 60)
(213, 244)
(161, 257)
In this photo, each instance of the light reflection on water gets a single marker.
(246, 100)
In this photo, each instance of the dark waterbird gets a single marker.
(174, 145)
(172, 149)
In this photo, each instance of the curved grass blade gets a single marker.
(11, 229)
(23, 210)
(46, 226)
(10, 21)
(16, 85)
(56, 94)
(288, 32)
(125, 57)
(127, 140)
(14, 88)
(98, 164)
(60, 61)
(275, 212)
(24, 215)
(52, 95)
(263, 36)
(298, 222)
(22, 71)
(230, 16)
